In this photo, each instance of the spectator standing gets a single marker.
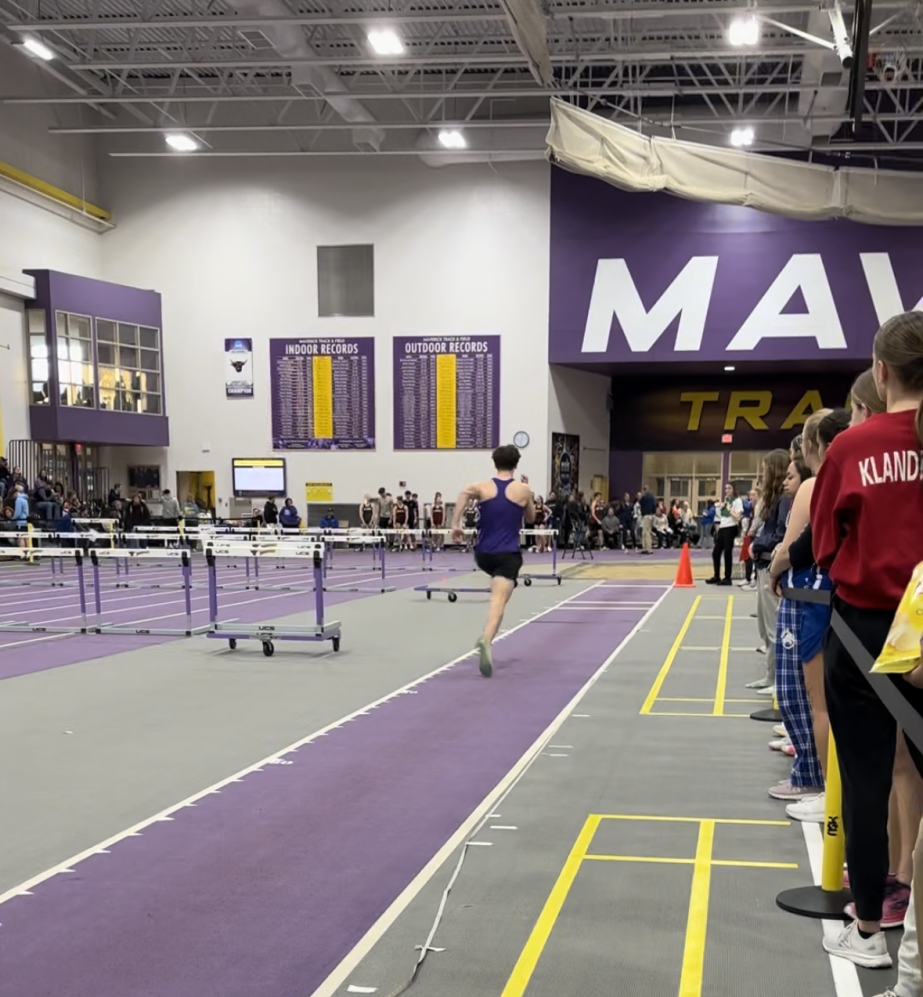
(288, 517)
(137, 515)
(6, 477)
(729, 517)
(270, 513)
(865, 515)
(170, 511)
(647, 506)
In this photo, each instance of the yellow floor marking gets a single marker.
(671, 656)
(690, 981)
(695, 820)
(700, 699)
(711, 716)
(722, 685)
(657, 860)
(528, 959)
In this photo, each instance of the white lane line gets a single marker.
(136, 829)
(503, 827)
(845, 976)
(347, 966)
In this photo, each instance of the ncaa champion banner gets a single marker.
(238, 368)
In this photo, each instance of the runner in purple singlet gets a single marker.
(502, 502)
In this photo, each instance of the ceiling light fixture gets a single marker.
(385, 42)
(742, 137)
(181, 142)
(38, 49)
(730, 368)
(453, 140)
(744, 31)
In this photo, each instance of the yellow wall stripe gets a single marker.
(55, 193)
(322, 374)
(445, 401)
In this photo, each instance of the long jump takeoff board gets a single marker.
(446, 392)
(323, 393)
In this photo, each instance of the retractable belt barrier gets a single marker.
(829, 899)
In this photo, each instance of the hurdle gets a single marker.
(382, 570)
(23, 626)
(232, 631)
(180, 557)
(553, 576)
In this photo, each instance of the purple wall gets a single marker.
(56, 292)
(744, 298)
(625, 470)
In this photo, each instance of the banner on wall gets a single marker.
(238, 368)
(318, 491)
(648, 278)
(446, 392)
(323, 393)
(565, 464)
(715, 413)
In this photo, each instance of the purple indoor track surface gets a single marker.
(263, 888)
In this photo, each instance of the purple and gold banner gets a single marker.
(642, 278)
(700, 413)
(446, 392)
(323, 393)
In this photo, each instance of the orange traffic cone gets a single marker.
(684, 578)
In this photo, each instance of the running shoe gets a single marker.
(780, 745)
(894, 906)
(786, 791)
(760, 683)
(769, 691)
(789, 750)
(713, 581)
(760, 650)
(485, 660)
(889, 882)
(810, 810)
(778, 728)
(872, 953)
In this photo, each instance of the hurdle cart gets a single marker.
(269, 548)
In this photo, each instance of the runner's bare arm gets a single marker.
(529, 513)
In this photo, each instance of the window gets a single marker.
(345, 281)
(38, 357)
(129, 367)
(76, 379)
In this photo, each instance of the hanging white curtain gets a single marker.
(583, 142)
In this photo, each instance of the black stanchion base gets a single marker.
(767, 716)
(812, 901)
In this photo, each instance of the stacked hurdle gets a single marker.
(310, 551)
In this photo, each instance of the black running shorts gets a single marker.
(500, 565)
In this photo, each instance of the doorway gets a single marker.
(195, 491)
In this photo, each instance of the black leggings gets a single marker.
(865, 735)
(724, 544)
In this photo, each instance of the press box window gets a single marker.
(129, 367)
(346, 281)
(38, 358)
(76, 377)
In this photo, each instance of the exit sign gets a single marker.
(727, 438)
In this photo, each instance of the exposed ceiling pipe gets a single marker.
(527, 23)
(290, 42)
(822, 99)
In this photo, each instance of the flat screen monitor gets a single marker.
(258, 477)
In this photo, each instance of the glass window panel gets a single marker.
(105, 354)
(78, 326)
(107, 398)
(708, 463)
(128, 357)
(150, 338)
(38, 347)
(60, 323)
(39, 370)
(151, 404)
(105, 330)
(128, 334)
(83, 374)
(36, 320)
(64, 372)
(152, 383)
(38, 394)
(150, 360)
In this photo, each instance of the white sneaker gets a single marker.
(872, 953)
(760, 683)
(760, 650)
(749, 587)
(779, 745)
(769, 691)
(810, 810)
(780, 730)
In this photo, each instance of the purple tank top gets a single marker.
(500, 521)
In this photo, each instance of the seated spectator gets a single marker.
(66, 524)
(661, 527)
(288, 516)
(136, 515)
(330, 521)
(6, 477)
(20, 512)
(611, 529)
(45, 499)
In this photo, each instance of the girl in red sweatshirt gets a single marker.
(865, 514)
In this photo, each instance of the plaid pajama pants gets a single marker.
(793, 697)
